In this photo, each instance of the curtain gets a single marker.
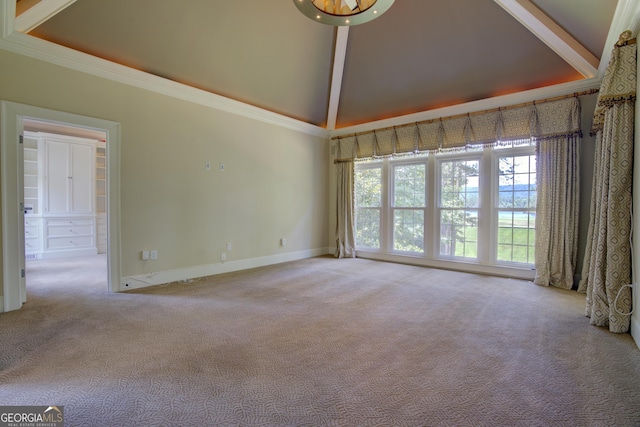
(555, 124)
(607, 261)
(345, 227)
(558, 198)
(541, 120)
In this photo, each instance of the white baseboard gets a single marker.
(68, 253)
(467, 267)
(168, 276)
(1, 304)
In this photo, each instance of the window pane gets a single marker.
(409, 183)
(459, 182)
(408, 230)
(368, 196)
(516, 230)
(517, 203)
(459, 233)
(368, 228)
(517, 182)
(459, 195)
(368, 185)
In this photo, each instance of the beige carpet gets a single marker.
(319, 342)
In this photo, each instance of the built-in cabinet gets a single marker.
(64, 196)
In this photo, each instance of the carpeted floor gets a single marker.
(317, 342)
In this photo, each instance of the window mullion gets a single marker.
(485, 211)
(431, 227)
(386, 214)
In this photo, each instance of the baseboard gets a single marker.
(168, 276)
(635, 328)
(68, 253)
(467, 267)
(1, 304)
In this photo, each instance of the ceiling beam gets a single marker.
(39, 13)
(336, 78)
(561, 42)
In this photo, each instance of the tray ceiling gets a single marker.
(420, 55)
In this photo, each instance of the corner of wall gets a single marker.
(635, 323)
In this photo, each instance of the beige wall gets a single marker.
(275, 182)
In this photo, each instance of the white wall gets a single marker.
(275, 182)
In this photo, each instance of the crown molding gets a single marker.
(475, 106)
(33, 47)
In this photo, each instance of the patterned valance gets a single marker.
(617, 87)
(539, 120)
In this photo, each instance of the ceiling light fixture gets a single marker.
(343, 12)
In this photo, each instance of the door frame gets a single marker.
(11, 115)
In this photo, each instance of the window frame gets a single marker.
(517, 151)
(392, 165)
(453, 157)
(487, 237)
(372, 164)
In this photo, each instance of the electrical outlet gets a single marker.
(154, 254)
(223, 256)
(283, 241)
(144, 255)
(229, 246)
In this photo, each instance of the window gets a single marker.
(516, 208)
(458, 205)
(409, 202)
(368, 195)
(477, 206)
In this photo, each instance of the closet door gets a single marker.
(82, 166)
(58, 175)
(69, 178)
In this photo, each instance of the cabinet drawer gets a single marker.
(30, 222)
(69, 221)
(31, 244)
(70, 231)
(31, 231)
(69, 242)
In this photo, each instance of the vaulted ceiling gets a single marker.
(418, 56)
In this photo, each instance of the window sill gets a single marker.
(457, 265)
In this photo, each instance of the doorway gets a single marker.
(65, 219)
(14, 117)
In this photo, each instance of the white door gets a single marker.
(82, 181)
(57, 175)
(21, 255)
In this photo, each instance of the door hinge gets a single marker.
(22, 274)
(21, 139)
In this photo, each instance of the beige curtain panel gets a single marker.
(557, 210)
(606, 271)
(345, 237)
(542, 120)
